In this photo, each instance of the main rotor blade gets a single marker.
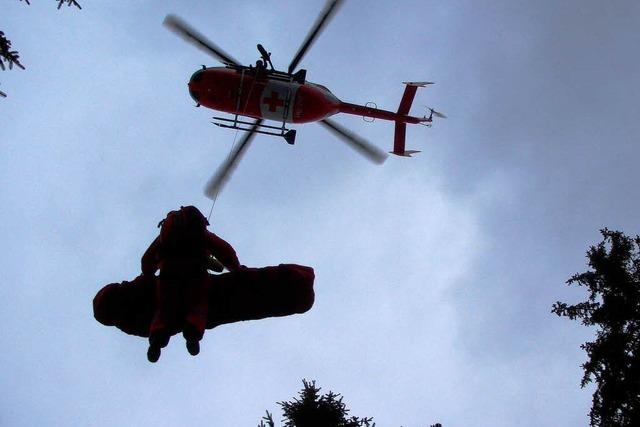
(359, 144)
(191, 35)
(222, 175)
(323, 19)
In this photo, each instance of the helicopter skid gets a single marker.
(288, 134)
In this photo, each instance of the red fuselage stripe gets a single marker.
(360, 110)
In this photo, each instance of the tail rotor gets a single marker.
(435, 113)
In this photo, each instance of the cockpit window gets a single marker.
(197, 76)
(321, 86)
(194, 95)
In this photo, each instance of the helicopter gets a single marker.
(262, 92)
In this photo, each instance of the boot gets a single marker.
(153, 354)
(157, 340)
(193, 347)
(193, 337)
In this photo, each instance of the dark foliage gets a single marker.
(613, 306)
(7, 55)
(311, 409)
(69, 3)
(11, 57)
(61, 2)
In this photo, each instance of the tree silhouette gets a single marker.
(11, 57)
(613, 306)
(311, 409)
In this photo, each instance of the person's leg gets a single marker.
(197, 309)
(159, 330)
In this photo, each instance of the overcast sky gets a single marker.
(435, 275)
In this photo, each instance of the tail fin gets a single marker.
(398, 141)
(409, 94)
(403, 109)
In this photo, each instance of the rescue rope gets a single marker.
(233, 146)
(215, 197)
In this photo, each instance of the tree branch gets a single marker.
(69, 3)
(7, 55)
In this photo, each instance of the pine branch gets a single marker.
(7, 55)
(69, 3)
(11, 57)
(269, 419)
(61, 2)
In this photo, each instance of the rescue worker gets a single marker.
(182, 252)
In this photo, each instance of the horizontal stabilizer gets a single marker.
(403, 118)
(408, 95)
(398, 141)
(418, 84)
(406, 153)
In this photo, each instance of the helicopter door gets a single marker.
(277, 99)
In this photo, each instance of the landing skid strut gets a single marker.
(289, 135)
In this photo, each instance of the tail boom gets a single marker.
(400, 117)
(361, 110)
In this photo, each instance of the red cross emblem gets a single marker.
(274, 101)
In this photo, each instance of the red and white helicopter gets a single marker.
(262, 92)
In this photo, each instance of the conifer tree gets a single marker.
(311, 409)
(613, 307)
